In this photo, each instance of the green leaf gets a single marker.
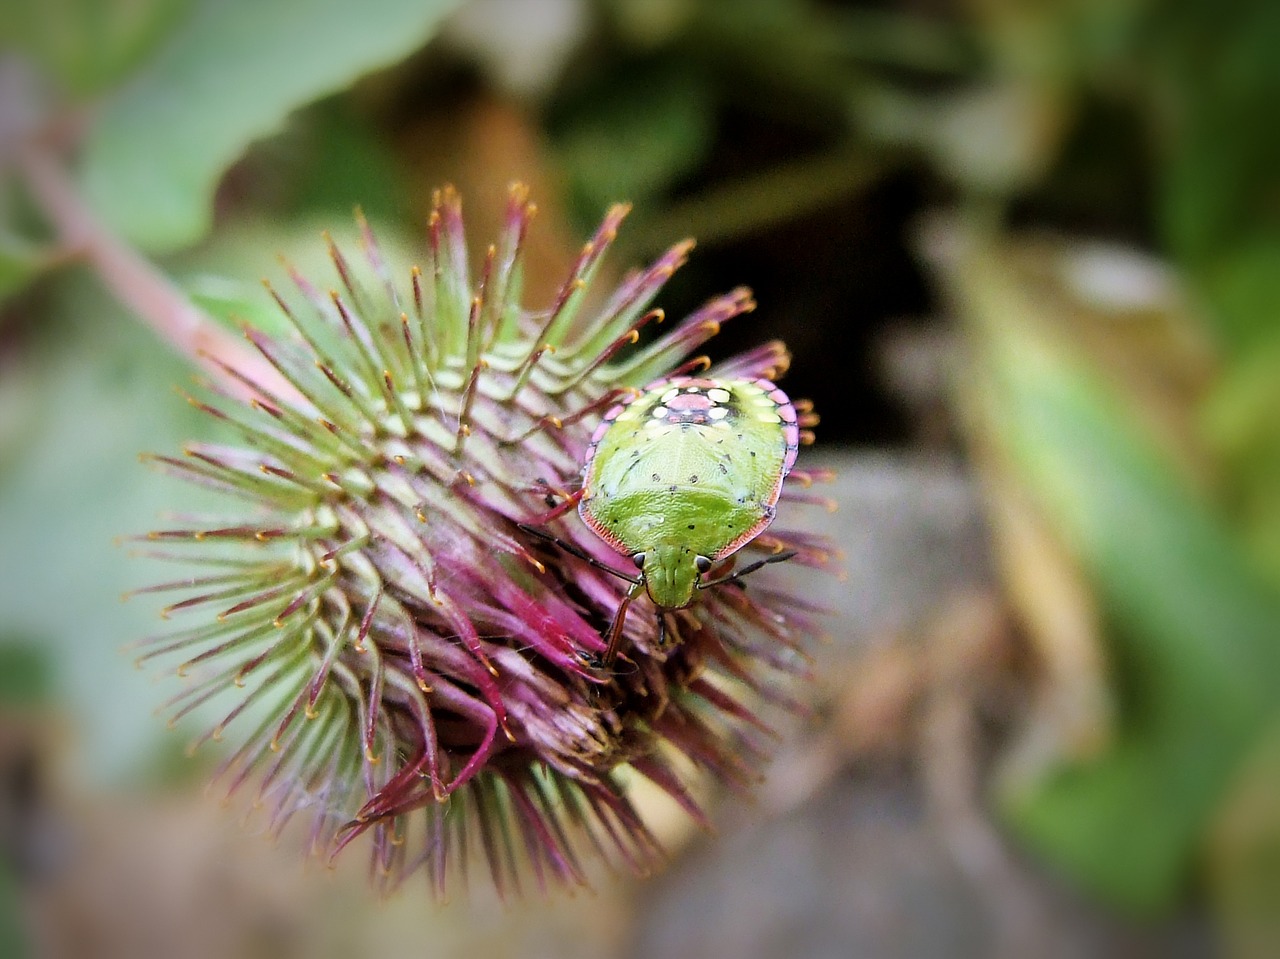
(25, 672)
(1214, 72)
(1239, 419)
(21, 261)
(94, 393)
(1244, 855)
(335, 160)
(633, 138)
(13, 939)
(228, 75)
(1194, 632)
(1241, 285)
(86, 46)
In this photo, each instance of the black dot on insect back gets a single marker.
(691, 526)
(693, 477)
(657, 478)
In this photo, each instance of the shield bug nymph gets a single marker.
(682, 476)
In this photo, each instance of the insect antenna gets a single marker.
(581, 554)
(738, 574)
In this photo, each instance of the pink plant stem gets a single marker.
(140, 286)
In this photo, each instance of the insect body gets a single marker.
(684, 475)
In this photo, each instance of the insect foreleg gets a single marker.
(738, 574)
(619, 620)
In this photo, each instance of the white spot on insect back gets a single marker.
(660, 412)
(718, 395)
(670, 394)
(717, 412)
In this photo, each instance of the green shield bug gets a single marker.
(683, 475)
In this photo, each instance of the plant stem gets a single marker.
(139, 285)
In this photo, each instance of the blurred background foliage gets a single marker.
(1081, 198)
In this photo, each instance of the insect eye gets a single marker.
(638, 559)
(703, 563)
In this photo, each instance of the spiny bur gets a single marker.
(402, 652)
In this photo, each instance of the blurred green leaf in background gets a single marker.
(1193, 628)
(225, 76)
(82, 408)
(86, 47)
(13, 939)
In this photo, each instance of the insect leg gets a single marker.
(555, 511)
(738, 574)
(581, 554)
(619, 619)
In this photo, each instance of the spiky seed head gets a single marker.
(407, 661)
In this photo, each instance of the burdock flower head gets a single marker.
(411, 656)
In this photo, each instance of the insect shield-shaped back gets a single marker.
(685, 475)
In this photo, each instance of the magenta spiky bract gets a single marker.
(408, 661)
